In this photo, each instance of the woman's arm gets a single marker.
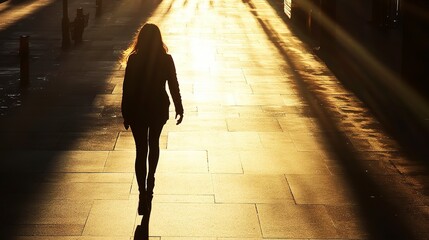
(173, 86)
(127, 94)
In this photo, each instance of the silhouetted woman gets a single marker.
(145, 104)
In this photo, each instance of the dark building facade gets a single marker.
(415, 25)
(380, 50)
(391, 33)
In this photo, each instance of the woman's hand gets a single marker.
(179, 120)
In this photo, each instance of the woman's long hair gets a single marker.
(147, 44)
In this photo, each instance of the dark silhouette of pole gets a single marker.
(24, 53)
(98, 7)
(65, 26)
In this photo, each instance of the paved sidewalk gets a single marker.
(272, 146)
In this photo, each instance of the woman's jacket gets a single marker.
(144, 96)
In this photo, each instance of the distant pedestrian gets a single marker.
(145, 105)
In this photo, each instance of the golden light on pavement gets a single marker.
(202, 52)
(20, 11)
(261, 153)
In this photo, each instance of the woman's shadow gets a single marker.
(142, 230)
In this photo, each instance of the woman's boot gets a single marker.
(143, 203)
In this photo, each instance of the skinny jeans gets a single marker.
(146, 137)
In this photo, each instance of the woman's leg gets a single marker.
(140, 134)
(154, 134)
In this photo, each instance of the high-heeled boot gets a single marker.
(149, 191)
(149, 202)
(143, 203)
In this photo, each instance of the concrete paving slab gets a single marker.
(186, 184)
(309, 141)
(88, 177)
(69, 238)
(277, 140)
(61, 212)
(282, 162)
(292, 221)
(320, 189)
(104, 141)
(412, 197)
(347, 219)
(253, 125)
(79, 161)
(230, 84)
(107, 99)
(203, 97)
(51, 230)
(183, 162)
(86, 191)
(163, 198)
(258, 99)
(251, 188)
(239, 238)
(111, 218)
(204, 220)
(125, 141)
(188, 238)
(120, 161)
(273, 88)
(213, 141)
(96, 123)
(277, 111)
(244, 111)
(207, 122)
(226, 161)
(368, 167)
(297, 124)
(58, 161)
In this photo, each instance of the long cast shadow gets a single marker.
(51, 120)
(382, 218)
(403, 117)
